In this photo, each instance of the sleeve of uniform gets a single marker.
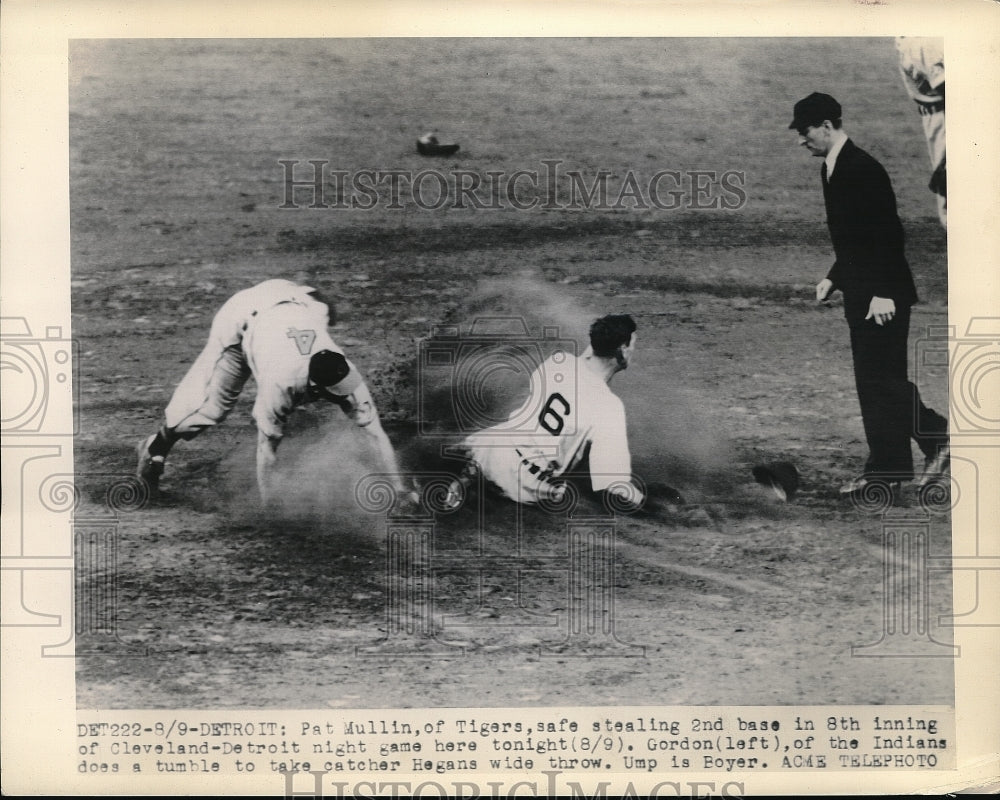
(921, 63)
(610, 460)
(935, 77)
(834, 275)
(878, 228)
(932, 65)
(271, 408)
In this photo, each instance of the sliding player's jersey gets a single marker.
(570, 412)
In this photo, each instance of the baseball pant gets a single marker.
(209, 390)
(891, 408)
(934, 132)
(516, 477)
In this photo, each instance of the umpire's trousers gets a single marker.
(891, 408)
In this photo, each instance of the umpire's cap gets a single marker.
(815, 108)
(327, 368)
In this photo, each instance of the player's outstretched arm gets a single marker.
(360, 407)
(386, 451)
(267, 456)
(630, 499)
(624, 497)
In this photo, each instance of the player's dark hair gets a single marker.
(610, 332)
(327, 368)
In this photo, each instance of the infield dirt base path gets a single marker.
(736, 598)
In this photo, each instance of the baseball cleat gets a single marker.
(454, 497)
(935, 466)
(149, 468)
(864, 482)
(457, 490)
(854, 485)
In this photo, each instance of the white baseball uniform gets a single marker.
(270, 331)
(570, 411)
(921, 63)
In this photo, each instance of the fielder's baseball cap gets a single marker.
(812, 110)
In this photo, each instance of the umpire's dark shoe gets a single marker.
(149, 468)
(854, 485)
(872, 492)
(935, 466)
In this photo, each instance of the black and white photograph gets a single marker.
(606, 374)
(215, 184)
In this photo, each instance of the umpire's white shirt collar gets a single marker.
(831, 157)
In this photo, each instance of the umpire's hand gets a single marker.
(882, 310)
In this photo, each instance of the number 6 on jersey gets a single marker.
(550, 419)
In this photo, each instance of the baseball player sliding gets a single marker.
(277, 332)
(570, 413)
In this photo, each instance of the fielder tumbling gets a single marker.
(277, 332)
(570, 414)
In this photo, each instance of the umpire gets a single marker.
(871, 270)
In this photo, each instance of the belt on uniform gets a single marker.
(926, 109)
(543, 475)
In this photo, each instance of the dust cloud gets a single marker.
(470, 374)
(673, 437)
(321, 462)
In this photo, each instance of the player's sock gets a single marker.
(164, 440)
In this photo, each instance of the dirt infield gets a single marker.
(736, 598)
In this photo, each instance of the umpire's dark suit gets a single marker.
(868, 242)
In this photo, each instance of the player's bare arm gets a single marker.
(360, 408)
(267, 457)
